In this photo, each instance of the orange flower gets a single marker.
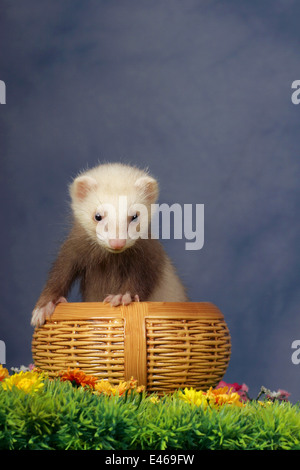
(78, 378)
(224, 395)
(132, 383)
(129, 385)
(104, 386)
(3, 373)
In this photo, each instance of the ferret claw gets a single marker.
(40, 314)
(120, 299)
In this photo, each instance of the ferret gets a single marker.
(112, 266)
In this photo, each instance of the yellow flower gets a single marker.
(122, 387)
(3, 373)
(192, 396)
(213, 397)
(105, 387)
(154, 399)
(27, 381)
(265, 403)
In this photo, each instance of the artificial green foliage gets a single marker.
(63, 417)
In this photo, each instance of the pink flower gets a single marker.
(235, 387)
(281, 395)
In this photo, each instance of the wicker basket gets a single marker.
(165, 346)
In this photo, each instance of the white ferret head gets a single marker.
(112, 202)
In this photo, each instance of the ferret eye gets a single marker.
(98, 217)
(134, 217)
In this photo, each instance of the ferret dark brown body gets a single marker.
(137, 270)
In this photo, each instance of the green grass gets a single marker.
(61, 417)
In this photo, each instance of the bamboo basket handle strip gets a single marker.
(135, 346)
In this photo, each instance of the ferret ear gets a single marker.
(148, 187)
(81, 186)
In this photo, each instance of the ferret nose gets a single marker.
(117, 244)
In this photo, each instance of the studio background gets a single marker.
(199, 92)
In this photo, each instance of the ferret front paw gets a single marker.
(40, 314)
(121, 299)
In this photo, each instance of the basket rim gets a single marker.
(176, 310)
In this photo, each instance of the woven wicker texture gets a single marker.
(165, 346)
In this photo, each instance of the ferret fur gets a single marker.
(140, 270)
